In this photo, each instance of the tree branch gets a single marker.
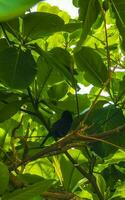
(74, 139)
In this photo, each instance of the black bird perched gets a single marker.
(61, 127)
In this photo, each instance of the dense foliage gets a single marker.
(47, 59)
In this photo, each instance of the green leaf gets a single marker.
(105, 119)
(112, 160)
(88, 13)
(17, 68)
(11, 9)
(101, 183)
(58, 90)
(70, 103)
(42, 167)
(30, 191)
(114, 86)
(58, 39)
(117, 88)
(70, 176)
(120, 192)
(37, 25)
(46, 7)
(111, 115)
(4, 178)
(71, 27)
(117, 157)
(64, 63)
(65, 16)
(89, 61)
(47, 74)
(9, 109)
(30, 178)
(119, 10)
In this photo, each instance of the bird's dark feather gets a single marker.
(61, 127)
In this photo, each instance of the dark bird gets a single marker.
(61, 127)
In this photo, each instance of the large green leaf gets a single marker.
(37, 24)
(89, 61)
(17, 68)
(88, 13)
(13, 8)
